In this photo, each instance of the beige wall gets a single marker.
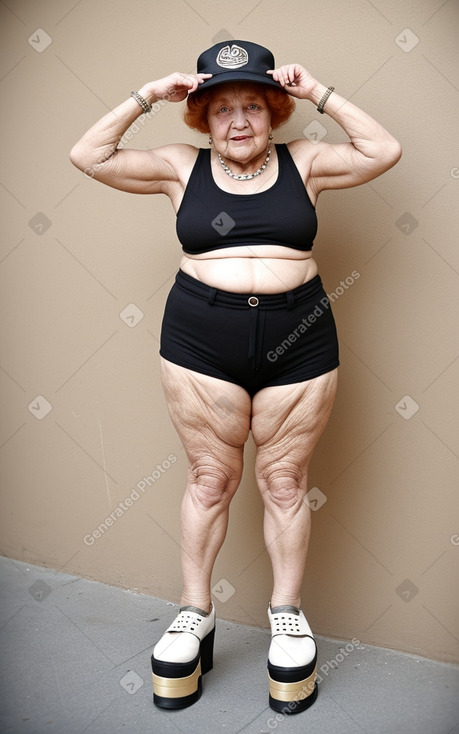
(76, 255)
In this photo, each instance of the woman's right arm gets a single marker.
(135, 171)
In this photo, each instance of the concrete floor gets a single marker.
(76, 659)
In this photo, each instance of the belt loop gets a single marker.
(212, 295)
(290, 300)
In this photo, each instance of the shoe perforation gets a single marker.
(186, 622)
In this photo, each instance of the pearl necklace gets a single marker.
(244, 176)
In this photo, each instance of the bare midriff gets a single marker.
(252, 269)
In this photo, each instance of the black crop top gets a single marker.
(211, 219)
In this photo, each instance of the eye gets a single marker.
(224, 109)
(253, 106)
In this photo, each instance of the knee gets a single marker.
(212, 483)
(283, 486)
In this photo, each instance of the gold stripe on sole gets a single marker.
(177, 687)
(296, 691)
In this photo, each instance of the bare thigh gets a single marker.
(287, 421)
(212, 418)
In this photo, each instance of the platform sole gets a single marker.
(178, 685)
(291, 696)
(177, 693)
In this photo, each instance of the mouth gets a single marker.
(237, 138)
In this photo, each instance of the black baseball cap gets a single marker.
(236, 61)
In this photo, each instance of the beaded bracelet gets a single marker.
(320, 107)
(142, 102)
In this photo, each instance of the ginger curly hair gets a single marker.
(281, 106)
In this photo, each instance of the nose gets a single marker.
(239, 118)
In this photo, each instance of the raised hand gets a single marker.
(175, 87)
(295, 79)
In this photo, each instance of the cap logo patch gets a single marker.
(232, 58)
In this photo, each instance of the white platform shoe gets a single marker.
(181, 657)
(292, 661)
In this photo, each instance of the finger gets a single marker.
(201, 78)
(184, 80)
(278, 76)
(290, 75)
(195, 80)
(284, 75)
(187, 81)
(287, 75)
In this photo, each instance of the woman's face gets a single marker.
(239, 121)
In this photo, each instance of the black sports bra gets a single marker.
(211, 219)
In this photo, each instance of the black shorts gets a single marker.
(255, 341)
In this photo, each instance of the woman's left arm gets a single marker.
(372, 150)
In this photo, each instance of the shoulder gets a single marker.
(304, 153)
(179, 158)
(304, 149)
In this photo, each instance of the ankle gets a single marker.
(200, 602)
(280, 600)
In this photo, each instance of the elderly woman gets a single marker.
(248, 339)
